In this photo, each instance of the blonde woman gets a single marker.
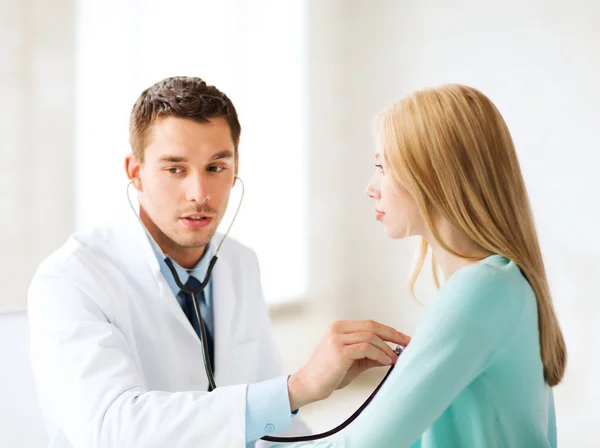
(478, 371)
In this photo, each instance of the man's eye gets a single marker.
(216, 169)
(175, 170)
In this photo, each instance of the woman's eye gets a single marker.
(379, 167)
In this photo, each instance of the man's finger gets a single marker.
(369, 364)
(384, 332)
(370, 338)
(365, 350)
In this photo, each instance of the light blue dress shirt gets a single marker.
(267, 402)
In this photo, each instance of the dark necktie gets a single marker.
(189, 310)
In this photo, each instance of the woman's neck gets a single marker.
(448, 262)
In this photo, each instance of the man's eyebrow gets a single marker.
(225, 154)
(173, 159)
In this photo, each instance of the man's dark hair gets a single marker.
(183, 97)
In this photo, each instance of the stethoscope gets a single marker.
(195, 291)
(207, 365)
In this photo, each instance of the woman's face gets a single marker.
(394, 207)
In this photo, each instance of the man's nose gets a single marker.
(197, 189)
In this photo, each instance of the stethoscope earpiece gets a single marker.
(135, 181)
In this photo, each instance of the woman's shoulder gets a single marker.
(494, 287)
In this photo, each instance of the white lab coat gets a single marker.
(115, 360)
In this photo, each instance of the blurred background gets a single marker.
(307, 78)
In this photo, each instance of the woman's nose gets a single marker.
(372, 192)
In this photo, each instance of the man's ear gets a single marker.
(236, 166)
(132, 168)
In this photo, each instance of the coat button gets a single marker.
(270, 427)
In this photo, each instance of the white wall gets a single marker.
(36, 139)
(21, 423)
(538, 61)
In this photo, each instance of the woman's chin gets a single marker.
(395, 234)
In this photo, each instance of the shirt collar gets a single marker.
(198, 271)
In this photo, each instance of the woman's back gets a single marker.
(507, 404)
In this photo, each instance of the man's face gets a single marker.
(184, 183)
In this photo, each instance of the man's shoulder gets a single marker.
(79, 253)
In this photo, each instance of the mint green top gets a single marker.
(471, 375)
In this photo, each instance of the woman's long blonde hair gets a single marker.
(450, 148)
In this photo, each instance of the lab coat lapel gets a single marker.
(167, 297)
(224, 301)
(139, 253)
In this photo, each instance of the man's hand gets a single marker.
(347, 349)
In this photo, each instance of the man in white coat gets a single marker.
(115, 343)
